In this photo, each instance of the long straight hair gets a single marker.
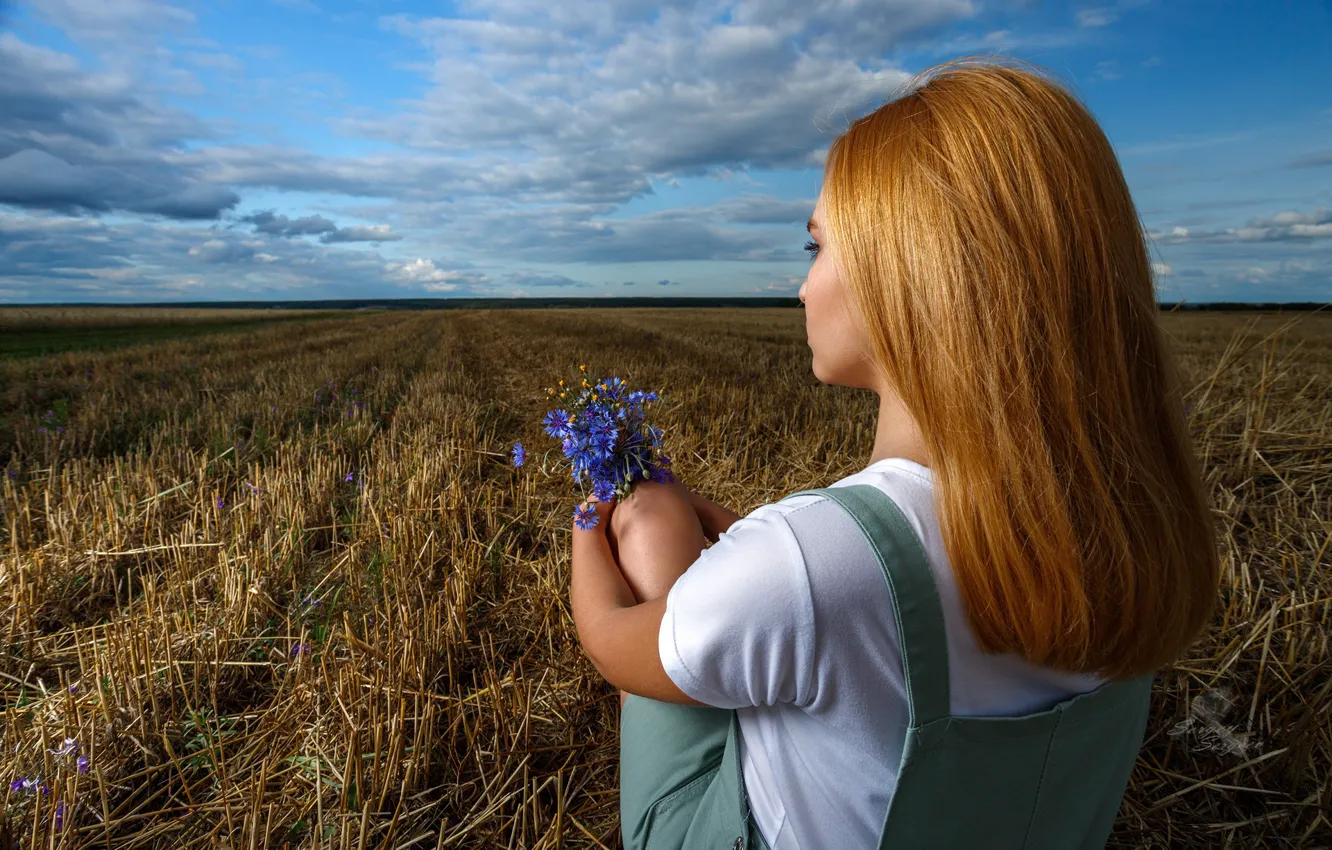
(1002, 273)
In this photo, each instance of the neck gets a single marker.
(896, 434)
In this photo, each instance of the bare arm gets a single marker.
(713, 517)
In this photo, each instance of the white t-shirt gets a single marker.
(787, 618)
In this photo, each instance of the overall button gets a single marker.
(739, 844)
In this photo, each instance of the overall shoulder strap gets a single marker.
(915, 598)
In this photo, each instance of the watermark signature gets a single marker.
(1204, 729)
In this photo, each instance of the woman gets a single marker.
(953, 647)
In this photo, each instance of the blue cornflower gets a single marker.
(602, 437)
(614, 389)
(572, 448)
(585, 517)
(558, 423)
(602, 429)
(518, 454)
(604, 490)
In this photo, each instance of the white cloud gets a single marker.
(1288, 226)
(361, 233)
(1162, 270)
(1096, 17)
(423, 274)
(420, 271)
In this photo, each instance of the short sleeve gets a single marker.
(739, 623)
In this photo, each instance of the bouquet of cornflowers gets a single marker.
(603, 431)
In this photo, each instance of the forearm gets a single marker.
(714, 518)
(597, 588)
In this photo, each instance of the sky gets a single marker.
(155, 150)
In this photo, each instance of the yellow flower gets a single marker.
(582, 368)
(561, 382)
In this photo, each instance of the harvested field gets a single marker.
(280, 585)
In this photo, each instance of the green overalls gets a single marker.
(1049, 779)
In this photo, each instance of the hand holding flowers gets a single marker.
(604, 434)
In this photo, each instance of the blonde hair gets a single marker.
(1000, 268)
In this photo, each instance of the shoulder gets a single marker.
(911, 491)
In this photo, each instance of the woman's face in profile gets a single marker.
(835, 338)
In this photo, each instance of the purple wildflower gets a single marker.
(60, 815)
(349, 476)
(23, 783)
(585, 517)
(519, 455)
(66, 748)
(220, 503)
(83, 763)
(299, 649)
(74, 688)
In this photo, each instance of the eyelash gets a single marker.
(813, 249)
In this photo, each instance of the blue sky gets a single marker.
(153, 150)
